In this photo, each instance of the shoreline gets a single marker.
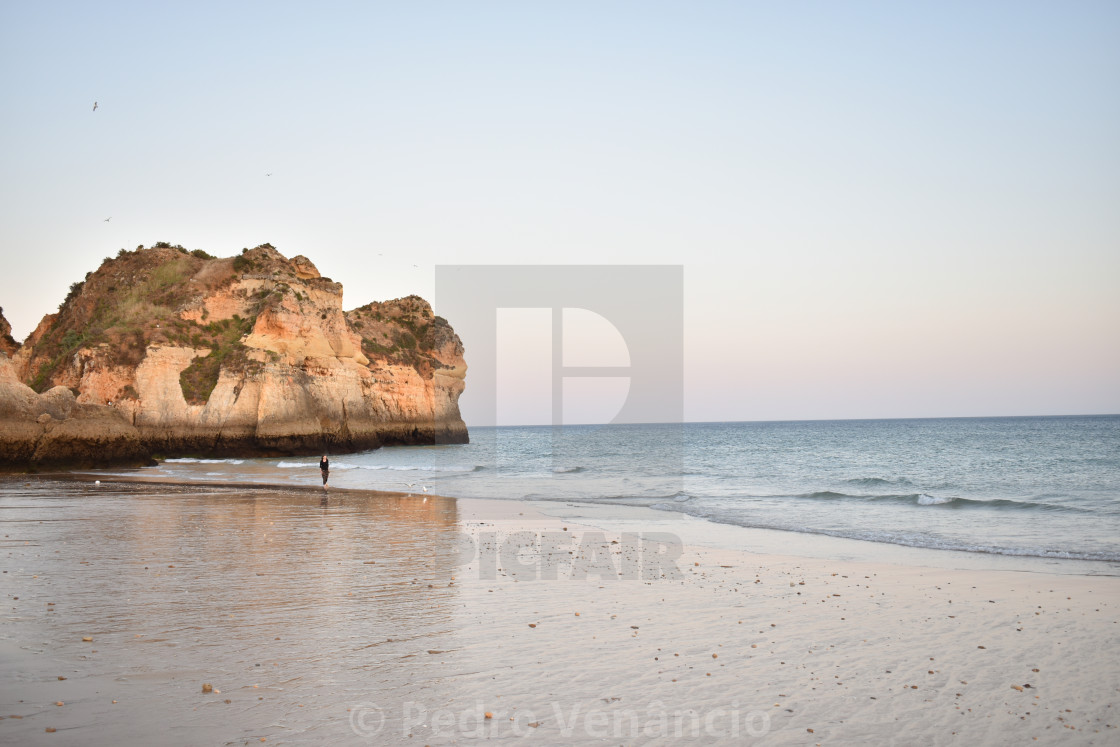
(697, 531)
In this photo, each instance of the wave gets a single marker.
(933, 500)
(631, 499)
(925, 499)
(421, 468)
(192, 460)
(568, 470)
(908, 539)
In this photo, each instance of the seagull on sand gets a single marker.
(95, 106)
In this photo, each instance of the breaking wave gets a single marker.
(925, 499)
(908, 539)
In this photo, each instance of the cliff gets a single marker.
(8, 345)
(245, 356)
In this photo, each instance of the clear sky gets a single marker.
(883, 209)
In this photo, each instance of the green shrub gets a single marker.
(75, 289)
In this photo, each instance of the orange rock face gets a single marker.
(252, 355)
(8, 345)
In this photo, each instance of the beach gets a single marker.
(381, 618)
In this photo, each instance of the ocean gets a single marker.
(1026, 486)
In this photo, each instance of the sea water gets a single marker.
(1029, 486)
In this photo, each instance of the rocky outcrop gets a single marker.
(251, 355)
(8, 345)
(52, 429)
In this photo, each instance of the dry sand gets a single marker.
(394, 619)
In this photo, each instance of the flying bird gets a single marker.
(269, 174)
(107, 219)
(95, 106)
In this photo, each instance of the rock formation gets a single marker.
(52, 429)
(245, 356)
(8, 345)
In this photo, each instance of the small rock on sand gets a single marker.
(207, 687)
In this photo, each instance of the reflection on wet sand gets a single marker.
(292, 604)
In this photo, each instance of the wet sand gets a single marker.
(387, 618)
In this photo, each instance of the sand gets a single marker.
(386, 619)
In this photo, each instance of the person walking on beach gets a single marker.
(325, 468)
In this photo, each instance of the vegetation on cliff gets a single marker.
(404, 331)
(8, 343)
(226, 349)
(127, 303)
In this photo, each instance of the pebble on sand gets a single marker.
(207, 687)
(87, 639)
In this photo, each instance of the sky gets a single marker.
(881, 209)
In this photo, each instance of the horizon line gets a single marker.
(806, 420)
